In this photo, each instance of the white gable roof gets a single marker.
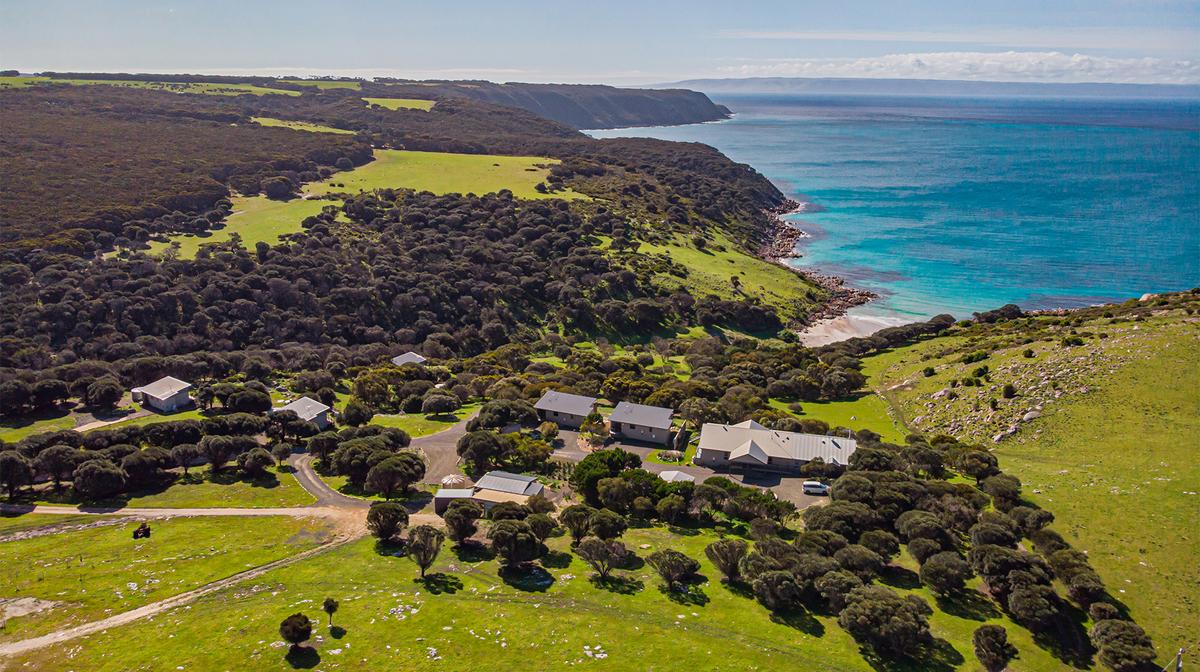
(306, 409)
(751, 442)
(164, 387)
(408, 358)
(676, 476)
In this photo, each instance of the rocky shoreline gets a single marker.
(782, 238)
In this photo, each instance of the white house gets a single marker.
(749, 445)
(641, 423)
(566, 410)
(409, 358)
(165, 394)
(309, 410)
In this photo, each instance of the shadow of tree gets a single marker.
(302, 657)
(899, 577)
(337, 631)
(556, 559)
(739, 588)
(938, 657)
(1066, 639)
(472, 551)
(529, 578)
(392, 548)
(692, 595)
(800, 620)
(683, 531)
(439, 582)
(968, 604)
(632, 562)
(613, 583)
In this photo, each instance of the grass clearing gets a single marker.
(257, 219)
(299, 125)
(13, 430)
(445, 173)
(200, 489)
(101, 571)
(865, 411)
(421, 424)
(402, 103)
(13, 523)
(207, 88)
(468, 612)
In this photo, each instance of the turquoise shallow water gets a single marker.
(959, 205)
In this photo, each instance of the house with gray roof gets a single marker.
(309, 410)
(641, 423)
(491, 489)
(409, 358)
(165, 394)
(565, 410)
(749, 445)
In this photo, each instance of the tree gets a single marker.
(671, 508)
(923, 549)
(480, 449)
(104, 394)
(356, 413)
(992, 647)
(978, 464)
(777, 590)
(460, 517)
(330, 606)
(576, 519)
(860, 561)
(185, 454)
(509, 511)
(835, 586)
(878, 617)
(549, 431)
(882, 542)
(217, 450)
(97, 479)
(727, 555)
(395, 474)
(424, 544)
(1033, 605)
(281, 451)
(1123, 645)
(295, 629)
(278, 187)
(607, 524)
(440, 404)
(255, 462)
(849, 519)
(57, 461)
(920, 525)
(386, 519)
(542, 525)
(603, 556)
(15, 470)
(674, 567)
(598, 465)
(515, 542)
(616, 494)
(945, 573)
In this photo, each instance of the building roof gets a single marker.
(656, 417)
(502, 481)
(750, 442)
(408, 358)
(305, 408)
(164, 387)
(572, 404)
(676, 477)
(497, 497)
(454, 493)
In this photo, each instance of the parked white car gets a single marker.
(815, 488)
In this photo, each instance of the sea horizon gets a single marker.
(959, 204)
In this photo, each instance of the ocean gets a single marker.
(957, 205)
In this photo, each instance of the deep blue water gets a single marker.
(964, 204)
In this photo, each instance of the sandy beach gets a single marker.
(847, 326)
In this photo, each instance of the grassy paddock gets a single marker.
(402, 103)
(256, 219)
(469, 612)
(97, 572)
(421, 424)
(299, 126)
(12, 523)
(207, 88)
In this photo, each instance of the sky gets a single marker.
(616, 42)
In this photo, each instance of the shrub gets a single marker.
(992, 647)
(945, 573)
(726, 555)
(1123, 646)
(295, 629)
(890, 624)
(674, 567)
(777, 591)
(98, 479)
(386, 519)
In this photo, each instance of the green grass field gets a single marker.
(867, 411)
(13, 431)
(256, 219)
(11, 523)
(710, 271)
(201, 490)
(389, 621)
(420, 424)
(322, 83)
(444, 173)
(101, 571)
(401, 103)
(208, 88)
(299, 126)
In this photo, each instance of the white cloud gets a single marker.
(1009, 66)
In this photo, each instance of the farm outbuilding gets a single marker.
(165, 394)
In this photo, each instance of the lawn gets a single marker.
(209, 88)
(256, 219)
(688, 454)
(15, 430)
(101, 571)
(200, 489)
(420, 424)
(710, 271)
(299, 125)
(402, 103)
(444, 173)
(469, 613)
(322, 83)
(12, 523)
(865, 411)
